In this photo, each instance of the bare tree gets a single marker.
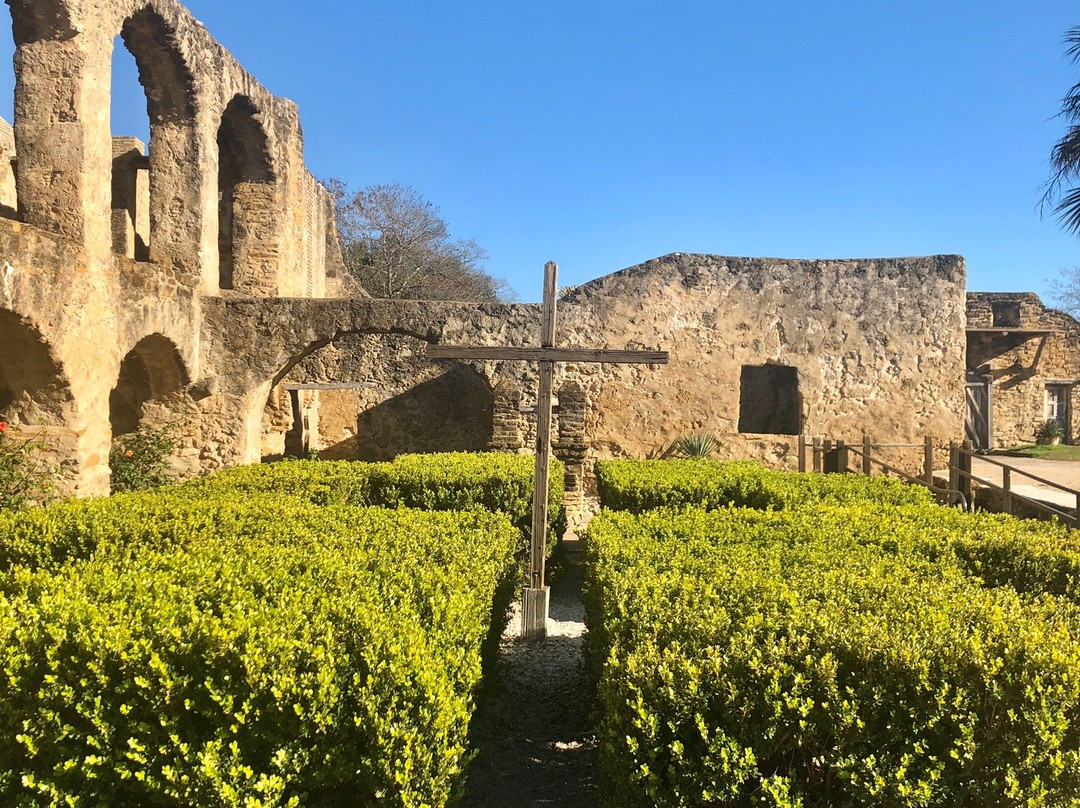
(396, 245)
(1065, 291)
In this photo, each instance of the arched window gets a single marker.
(151, 371)
(247, 202)
(155, 205)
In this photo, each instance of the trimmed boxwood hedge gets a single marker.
(263, 652)
(451, 482)
(831, 656)
(641, 485)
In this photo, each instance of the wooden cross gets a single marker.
(535, 600)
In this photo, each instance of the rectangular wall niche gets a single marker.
(769, 400)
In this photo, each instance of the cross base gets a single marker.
(534, 613)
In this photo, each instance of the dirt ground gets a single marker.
(1063, 473)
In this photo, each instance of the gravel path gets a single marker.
(531, 728)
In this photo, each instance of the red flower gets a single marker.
(3, 427)
(128, 453)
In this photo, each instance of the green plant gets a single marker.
(829, 655)
(1050, 429)
(254, 651)
(640, 485)
(138, 459)
(697, 446)
(26, 477)
(450, 481)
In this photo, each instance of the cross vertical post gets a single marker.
(534, 611)
(534, 605)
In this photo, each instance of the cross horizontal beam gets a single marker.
(544, 354)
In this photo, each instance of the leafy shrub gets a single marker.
(449, 481)
(272, 654)
(1050, 430)
(788, 658)
(640, 485)
(138, 460)
(26, 477)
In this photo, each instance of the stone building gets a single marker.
(1023, 368)
(195, 279)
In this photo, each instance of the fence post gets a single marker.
(867, 447)
(928, 460)
(802, 453)
(965, 479)
(954, 466)
(1006, 495)
(1076, 515)
(817, 454)
(841, 456)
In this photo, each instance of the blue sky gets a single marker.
(600, 134)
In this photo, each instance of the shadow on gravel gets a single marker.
(531, 727)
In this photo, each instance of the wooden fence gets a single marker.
(824, 455)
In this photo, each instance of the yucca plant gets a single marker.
(1050, 431)
(696, 446)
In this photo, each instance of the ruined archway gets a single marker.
(152, 372)
(390, 399)
(33, 389)
(247, 202)
(155, 195)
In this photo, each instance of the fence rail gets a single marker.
(825, 455)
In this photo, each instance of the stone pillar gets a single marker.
(61, 132)
(131, 199)
(507, 434)
(571, 448)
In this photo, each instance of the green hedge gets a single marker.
(453, 481)
(641, 485)
(274, 653)
(458, 482)
(819, 657)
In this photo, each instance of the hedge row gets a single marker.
(641, 485)
(260, 653)
(824, 657)
(454, 482)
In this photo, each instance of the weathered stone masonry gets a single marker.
(1026, 356)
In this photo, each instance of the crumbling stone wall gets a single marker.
(103, 246)
(1023, 349)
(874, 345)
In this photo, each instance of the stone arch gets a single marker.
(152, 371)
(33, 386)
(248, 203)
(172, 165)
(416, 405)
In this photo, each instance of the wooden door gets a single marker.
(978, 418)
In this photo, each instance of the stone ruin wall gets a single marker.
(1022, 364)
(94, 269)
(874, 345)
